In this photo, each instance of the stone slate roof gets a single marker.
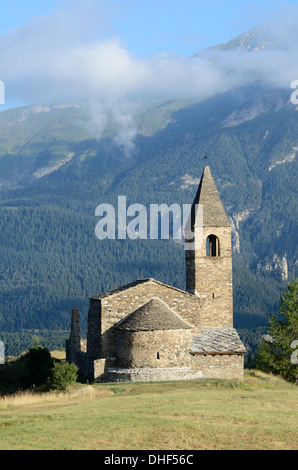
(153, 315)
(136, 283)
(214, 214)
(217, 340)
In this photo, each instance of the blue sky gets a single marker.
(116, 55)
(149, 27)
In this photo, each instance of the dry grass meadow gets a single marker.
(257, 413)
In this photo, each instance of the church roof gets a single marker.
(136, 283)
(153, 315)
(217, 341)
(214, 214)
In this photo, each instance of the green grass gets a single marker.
(259, 412)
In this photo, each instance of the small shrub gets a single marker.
(38, 362)
(28, 371)
(62, 375)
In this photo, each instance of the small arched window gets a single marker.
(212, 246)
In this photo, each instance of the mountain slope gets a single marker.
(252, 41)
(54, 173)
(50, 258)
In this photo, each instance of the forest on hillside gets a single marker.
(51, 260)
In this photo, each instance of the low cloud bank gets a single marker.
(57, 60)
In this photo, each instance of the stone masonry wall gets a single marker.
(73, 344)
(93, 336)
(219, 366)
(160, 348)
(99, 370)
(211, 278)
(152, 375)
(114, 308)
(206, 366)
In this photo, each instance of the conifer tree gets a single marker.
(277, 355)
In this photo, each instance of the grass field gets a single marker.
(259, 412)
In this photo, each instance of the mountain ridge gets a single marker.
(54, 173)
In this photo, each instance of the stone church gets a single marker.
(150, 331)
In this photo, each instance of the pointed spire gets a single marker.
(214, 214)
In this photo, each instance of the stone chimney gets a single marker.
(74, 342)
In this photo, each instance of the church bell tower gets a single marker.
(208, 255)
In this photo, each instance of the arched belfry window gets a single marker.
(212, 246)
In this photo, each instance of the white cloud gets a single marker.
(65, 58)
